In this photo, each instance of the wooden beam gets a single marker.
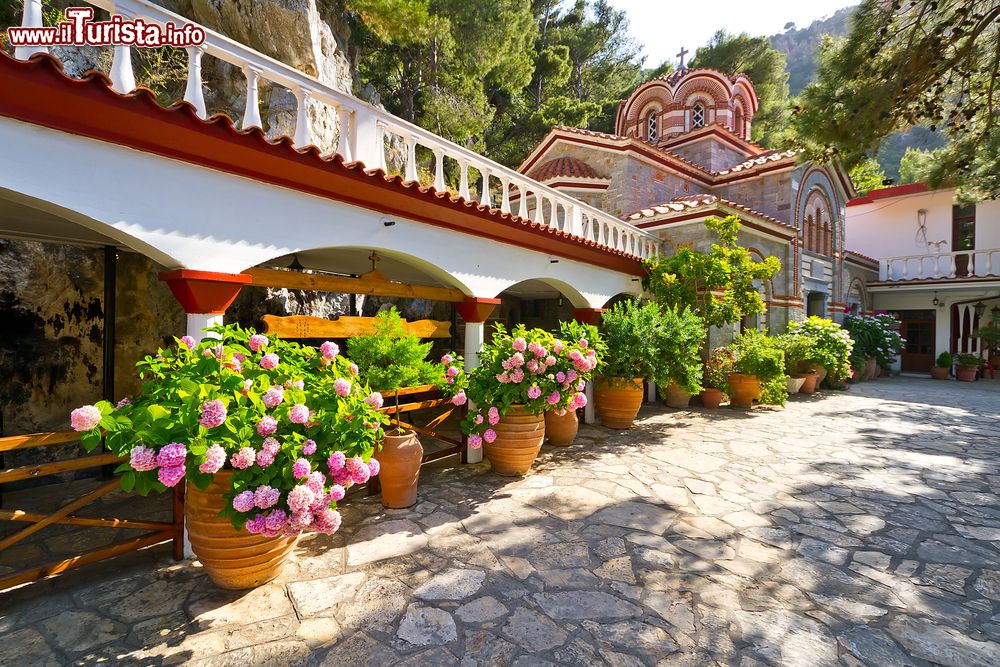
(37, 440)
(63, 511)
(131, 524)
(374, 283)
(307, 326)
(44, 469)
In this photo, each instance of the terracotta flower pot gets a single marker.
(939, 373)
(519, 439)
(821, 372)
(711, 398)
(744, 389)
(966, 373)
(871, 368)
(811, 380)
(561, 429)
(676, 397)
(399, 461)
(619, 403)
(794, 384)
(995, 361)
(233, 559)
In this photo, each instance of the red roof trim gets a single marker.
(38, 92)
(889, 193)
(721, 131)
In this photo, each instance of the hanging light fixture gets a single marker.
(980, 308)
(995, 313)
(936, 301)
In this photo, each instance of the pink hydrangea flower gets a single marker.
(517, 376)
(267, 426)
(170, 475)
(258, 342)
(581, 384)
(301, 469)
(329, 350)
(243, 501)
(316, 482)
(122, 403)
(550, 360)
(269, 361)
(256, 525)
(300, 498)
(446, 359)
(374, 467)
(275, 522)
(575, 355)
(452, 371)
(354, 370)
(85, 418)
(142, 458)
(295, 384)
(342, 477)
(519, 344)
(299, 414)
(572, 375)
(215, 458)
(171, 455)
(583, 342)
(213, 413)
(247, 386)
(327, 521)
(188, 342)
(553, 398)
(475, 441)
(244, 458)
(375, 400)
(494, 416)
(273, 397)
(517, 360)
(309, 447)
(358, 469)
(479, 419)
(264, 459)
(503, 377)
(489, 435)
(337, 492)
(579, 400)
(534, 391)
(558, 346)
(336, 462)
(460, 398)
(266, 496)
(560, 377)
(342, 387)
(271, 446)
(532, 366)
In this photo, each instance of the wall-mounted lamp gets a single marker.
(936, 301)
(388, 223)
(560, 302)
(980, 308)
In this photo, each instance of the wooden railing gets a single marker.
(364, 131)
(979, 263)
(157, 531)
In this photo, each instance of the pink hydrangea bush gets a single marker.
(281, 417)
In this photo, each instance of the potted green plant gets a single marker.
(678, 364)
(266, 434)
(759, 371)
(990, 335)
(389, 359)
(967, 366)
(570, 350)
(716, 380)
(797, 349)
(629, 330)
(942, 367)
(831, 350)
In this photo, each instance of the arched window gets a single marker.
(698, 116)
(651, 130)
(738, 122)
(809, 234)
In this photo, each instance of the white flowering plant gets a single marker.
(293, 424)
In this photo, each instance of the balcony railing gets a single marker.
(364, 131)
(958, 265)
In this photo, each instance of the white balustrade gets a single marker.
(31, 18)
(956, 265)
(122, 76)
(364, 130)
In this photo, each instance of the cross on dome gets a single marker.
(681, 55)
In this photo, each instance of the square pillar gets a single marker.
(475, 312)
(588, 316)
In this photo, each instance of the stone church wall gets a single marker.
(769, 194)
(709, 154)
(646, 185)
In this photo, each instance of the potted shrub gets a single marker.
(759, 370)
(511, 388)
(629, 331)
(942, 367)
(391, 359)
(571, 351)
(267, 435)
(717, 369)
(798, 350)
(678, 364)
(831, 349)
(967, 366)
(990, 335)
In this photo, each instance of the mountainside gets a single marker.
(799, 46)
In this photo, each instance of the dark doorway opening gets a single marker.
(918, 328)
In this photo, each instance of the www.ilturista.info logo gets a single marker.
(81, 30)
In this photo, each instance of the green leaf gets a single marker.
(128, 481)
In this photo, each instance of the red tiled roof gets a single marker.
(696, 201)
(889, 193)
(564, 167)
(38, 91)
(864, 257)
(756, 161)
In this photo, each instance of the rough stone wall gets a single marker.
(769, 194)
(709, 154)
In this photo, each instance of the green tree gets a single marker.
(753, 56)
(867, 175)
(917, 165)
(934, 62)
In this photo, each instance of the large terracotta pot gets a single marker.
(519, 439)
(821, 372)
(399, 461)
(811, 380)
(561, 429)
(618, 403)
(940, 373)
(871, 368)
(995, 361)
(233, 559)
(794, 384)
(676, 397)
(966, 373)
(743, 390)
(711, 398)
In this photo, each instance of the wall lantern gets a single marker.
(980, 308)
(936, 301)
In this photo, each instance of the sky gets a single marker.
(662, 27)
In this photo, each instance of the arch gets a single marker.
(857, 286)
(819, 221)
(652, 127)
(636, 104)
(698, 116)
(709, 88)
(618, 298)
(738, 120)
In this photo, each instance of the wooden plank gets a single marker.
(419, 389)
(37, 573)
(63, 511)
(410, 407)
(37, 440)
(374, 283)
(131, 524)
(56, 467)
(178, 517)
(307, 326)
(443, 454)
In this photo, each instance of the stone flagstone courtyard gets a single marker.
(857, 528)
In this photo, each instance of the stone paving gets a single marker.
(857, 528)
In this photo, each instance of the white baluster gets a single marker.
(906, 269)
(953, 269)
(505, 195)
(484, 198)
(463, 181)
(522, 207)
(539, 205)
(251, 112)
(883, 269)
(937, 266)
(439, 169)
(380, 146)
(122, 76)
(32, 18)
(411, 158)
(344, 117)
(194, 93)
(920, 268)
(302, 136)
(554, 213)
(575, 226)
(988, 269)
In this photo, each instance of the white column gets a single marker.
(505, 195)
(122, 77)
(475, 333)
(302, 136)
(589, 412)
(484, 198)
(197, 322)
(439, 169)
(411, 158)
(251, 112)
(463, 183)
(195, 93)
(344, 136)
(32, 18)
